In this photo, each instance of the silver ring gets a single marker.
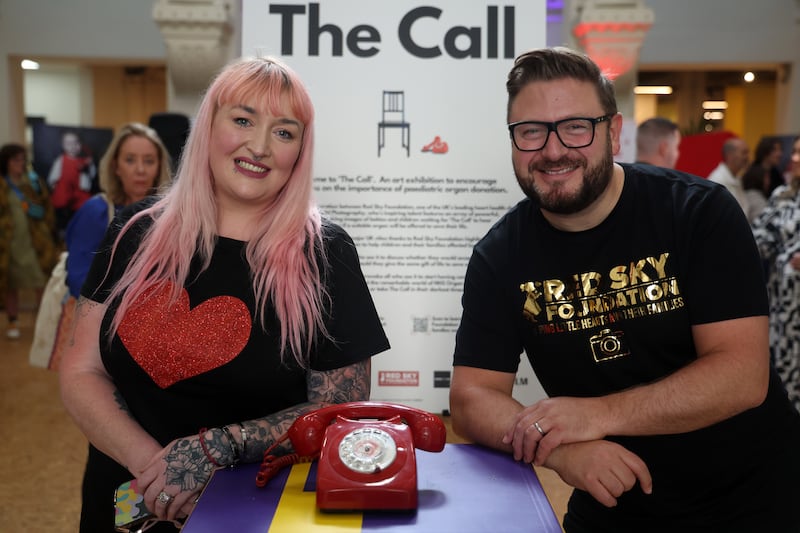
(538, 428)
(164, 498)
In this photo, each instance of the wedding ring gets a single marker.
(164, 498)
(538, 428)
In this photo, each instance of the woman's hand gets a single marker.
(180, 471)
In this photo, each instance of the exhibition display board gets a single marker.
(412, 154)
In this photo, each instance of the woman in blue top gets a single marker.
(135, 165)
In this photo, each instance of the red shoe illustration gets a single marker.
(436, 146)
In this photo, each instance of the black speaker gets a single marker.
(173, 128)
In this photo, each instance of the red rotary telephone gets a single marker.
(366, 453)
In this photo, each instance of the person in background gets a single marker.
(215, 315)
(28, 251)
(777, 232)
(755, 183)
(768, 155)
(657, 142)
(735, 154)
(136, 164)
(616, 280)
(72, 178)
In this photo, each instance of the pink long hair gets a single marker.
(283, 256)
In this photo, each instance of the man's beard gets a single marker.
(595, 181)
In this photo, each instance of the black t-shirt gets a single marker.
(205, 369)
(211, 363)
(612, 307)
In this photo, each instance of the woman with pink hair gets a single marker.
(217, 313)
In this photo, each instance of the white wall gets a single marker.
(58, 94)
(97, 30)
(80, 28)
(722, 32)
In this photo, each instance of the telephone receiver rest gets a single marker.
(308, 431)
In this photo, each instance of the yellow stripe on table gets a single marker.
(297, 510)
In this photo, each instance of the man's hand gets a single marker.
(602, 468)
(540, 428)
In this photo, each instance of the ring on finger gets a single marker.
(164, 498)
(538, 428)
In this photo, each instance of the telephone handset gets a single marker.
(366, 453)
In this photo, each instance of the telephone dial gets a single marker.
(365, 451)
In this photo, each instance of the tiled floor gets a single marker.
(43, 453)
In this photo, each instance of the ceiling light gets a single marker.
(27, 64)
(652, 89)
(715, 104)
(749, 77)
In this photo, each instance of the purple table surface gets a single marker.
(466, 489)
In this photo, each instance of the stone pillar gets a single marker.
(611, 32)
(197, 38)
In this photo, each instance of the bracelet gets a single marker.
(232, 444)
(205, 448)
(244, 439)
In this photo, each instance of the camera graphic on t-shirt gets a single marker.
(608, 345)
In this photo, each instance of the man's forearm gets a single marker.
(483, 416)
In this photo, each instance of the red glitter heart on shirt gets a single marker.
(172, 342)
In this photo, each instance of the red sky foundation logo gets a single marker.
(398, 378)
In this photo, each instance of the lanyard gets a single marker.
(16, 189)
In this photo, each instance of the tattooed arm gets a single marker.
(186, 468)
(346, 384)
(90, 397)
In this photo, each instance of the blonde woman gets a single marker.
(135, 165)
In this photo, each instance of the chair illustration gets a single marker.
(393, 115)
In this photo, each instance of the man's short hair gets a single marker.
(557, 63)
(651, 132)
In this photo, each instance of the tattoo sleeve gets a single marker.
(347, 384)
(187, 465)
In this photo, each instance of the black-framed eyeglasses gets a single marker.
(576, 132)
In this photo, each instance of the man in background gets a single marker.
(735, 156)
(657, 142)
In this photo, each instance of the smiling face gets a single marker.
(137, 165)
(252, 153)
(564, 180)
